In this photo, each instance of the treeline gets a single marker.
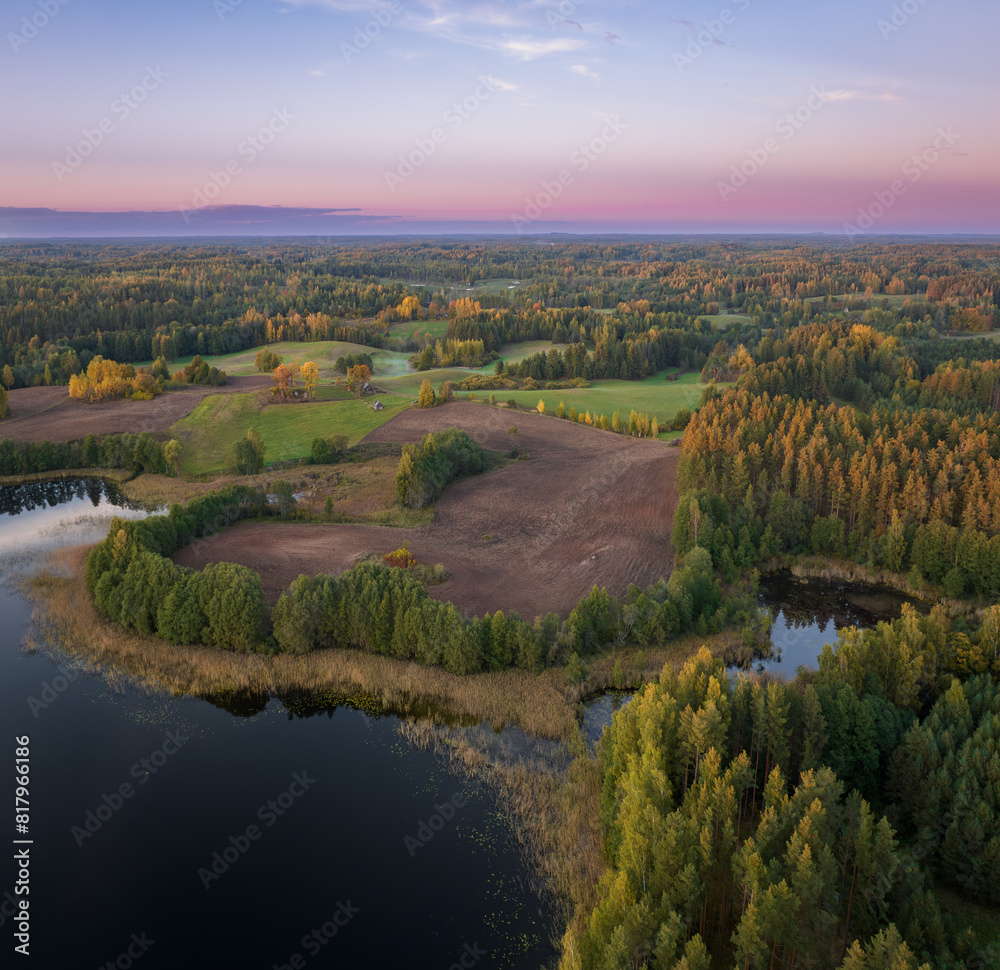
(376, 608)
(636, 425)
(63, 304)
(135, 583)
(452, 353)
(137, 452)
(388, 611)
(425, 469)
(744, 826)
(618, 354)
(894, 488)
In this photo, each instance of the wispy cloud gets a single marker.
(853, 95)
(502, 85)
(528, 50)
(585, 71)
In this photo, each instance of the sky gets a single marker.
(326, 117)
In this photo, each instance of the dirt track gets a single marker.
(50, 414)
(587, 508)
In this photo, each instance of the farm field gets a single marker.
(507, 539)
(456, 291)
(654, 396)
(323, 352)
(209, 432)
(724, 319)
(895, 299)
(436, 328)
(50, 414)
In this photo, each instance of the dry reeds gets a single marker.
(540, 704)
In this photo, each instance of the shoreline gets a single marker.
(812, 566)
(119, 476)
(544, 705)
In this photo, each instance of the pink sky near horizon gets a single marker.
(678, 131)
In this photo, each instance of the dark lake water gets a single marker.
(305, 815)
(809, 612)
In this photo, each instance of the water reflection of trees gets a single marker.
(820, 602)
(15, 499)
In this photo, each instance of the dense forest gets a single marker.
(638, 302)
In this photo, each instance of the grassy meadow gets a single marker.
(322, 352)
(209, 432)
(655, 396)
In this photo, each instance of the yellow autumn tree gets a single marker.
(310, 376)
(106, 379)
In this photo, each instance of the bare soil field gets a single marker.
(586, 508)
(50, 414)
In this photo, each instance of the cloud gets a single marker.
(502, 85)
(528, 50)
(845, 95)
(585, 71)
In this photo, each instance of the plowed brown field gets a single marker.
(50, 414)
(586, 508)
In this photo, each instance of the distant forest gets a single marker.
(637, 303)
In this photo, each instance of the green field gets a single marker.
(456, 291)
(722, 320)
(654, 396)
(991, 335)
(897, 299)
(322, 352)
(209, 432)
(437, 328)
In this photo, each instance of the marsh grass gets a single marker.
(553, 805)
(540, 704)
(118, 475)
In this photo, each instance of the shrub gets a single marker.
(425, 469)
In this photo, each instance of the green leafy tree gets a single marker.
(172, 455)
(248, 454)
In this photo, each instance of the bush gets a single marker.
(425, 469)
(400, 558)
(326, 451)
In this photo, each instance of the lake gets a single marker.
(238, 834)
(809, 612)
(807, 615)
